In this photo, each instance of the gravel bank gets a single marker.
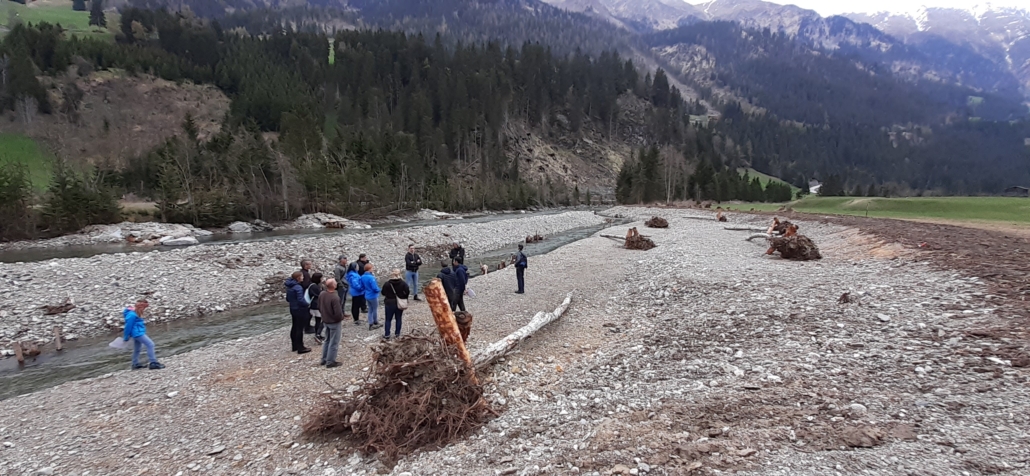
(206, 279)
(702, 355)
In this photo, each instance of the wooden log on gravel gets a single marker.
(445, 321)
(758, 235)
(498, 349)
(744, 228)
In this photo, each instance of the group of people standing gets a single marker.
(312, 297)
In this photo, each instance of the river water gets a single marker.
(85, 251)
(92, 357)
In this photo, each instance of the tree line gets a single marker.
(394, 120)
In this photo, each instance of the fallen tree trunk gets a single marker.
(758, 235)
(498, 349)
(743, 228)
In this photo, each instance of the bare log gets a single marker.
(496, 350)
(445, 322)
(758, 235)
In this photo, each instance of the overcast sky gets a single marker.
(832, 7)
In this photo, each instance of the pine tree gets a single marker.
(96, 14)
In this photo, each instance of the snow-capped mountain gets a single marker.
(635, 14)
(999, 34)
(988, 49)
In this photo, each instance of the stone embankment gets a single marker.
(202, 280)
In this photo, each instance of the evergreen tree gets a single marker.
(96, 14)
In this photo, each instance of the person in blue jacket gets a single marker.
(298, 312)
(136, 330)
(371, 288)
(357, 294)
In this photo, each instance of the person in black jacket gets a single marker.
(412, 261)
(457, 252)
(448, 279)
(461, 278)
(305, 271)
(314, 289)
(521, 262)
(394, 290)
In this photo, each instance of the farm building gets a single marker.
(814, 186)
(1017, 192)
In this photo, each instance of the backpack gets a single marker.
(307, 296)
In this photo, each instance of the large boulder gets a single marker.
(240, 227)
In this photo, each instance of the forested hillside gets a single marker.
(346, 123)
(455, 104)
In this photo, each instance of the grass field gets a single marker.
(1015, 211)
(16, 148)
(57, 12)
(765, 179)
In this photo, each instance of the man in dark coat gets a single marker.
(521, 262)
(449, 281)
(461, 277)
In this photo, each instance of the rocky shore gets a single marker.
(700, 356)
(211, 278)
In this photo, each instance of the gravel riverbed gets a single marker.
(701, 356)
(207, 279)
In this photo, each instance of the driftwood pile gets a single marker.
(657, 222)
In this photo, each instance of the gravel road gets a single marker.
(701, 356)
(207, 279)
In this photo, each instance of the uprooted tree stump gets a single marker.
(420, 391)
(657, 222)
(795, 248)
(636, 241)
(633, 240)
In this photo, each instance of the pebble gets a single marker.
(883, 317)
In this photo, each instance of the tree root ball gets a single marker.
(417, 394)
(796, 248)
(657, 222)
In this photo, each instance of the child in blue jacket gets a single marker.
(136, 330)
